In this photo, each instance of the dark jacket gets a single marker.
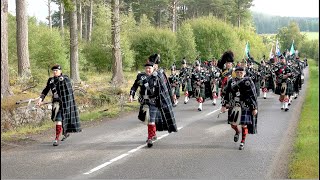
(63, 88)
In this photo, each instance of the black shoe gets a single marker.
(287, 109)
(55, 143)
(264, 98)
(296, 97)
(149, 143)
(236, 138)
(65, 137)
(199, 109)
(281, 108)
(241, 147)
(289, 104)
(185, 102)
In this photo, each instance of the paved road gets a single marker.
(203, 148)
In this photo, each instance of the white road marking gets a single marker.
(212, 112)
(123, 155)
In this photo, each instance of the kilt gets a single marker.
(154, 113)
(188, 85)
(246, 119)
(289, 90)
(176, 90)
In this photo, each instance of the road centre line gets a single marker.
(123, 155)
(212, 112)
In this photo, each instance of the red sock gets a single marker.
(151, 131)
(244, 134)
(58, 131)
(235, 127)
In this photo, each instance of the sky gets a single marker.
(289, 8)
(37, 8)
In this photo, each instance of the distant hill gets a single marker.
(267, 24)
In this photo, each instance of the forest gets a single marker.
(117, 36)
(267, 24)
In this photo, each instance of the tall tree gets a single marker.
(117, 74)
(241, 8)
(22, 39)
(61, 18)
(174, 15)
(49, 14)
(89, 20)
(5, 86)
(74, 59)
(79, 17)
(84, 24)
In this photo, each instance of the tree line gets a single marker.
(267, 24)
(119, 35)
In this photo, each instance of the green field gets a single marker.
(311, 35)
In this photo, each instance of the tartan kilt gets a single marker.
(246, 119)
(200, 93)
(188, 86)
(270, 84)
(290, 88)
(154, 111)
(176, 90)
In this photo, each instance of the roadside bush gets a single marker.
(150, 40)
(186, 43)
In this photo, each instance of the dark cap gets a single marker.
(155, 58)
(149, 64)
(239, 68)
(56, 66)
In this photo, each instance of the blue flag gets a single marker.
(278, 52)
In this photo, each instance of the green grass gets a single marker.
(22, 132)
(311, 35)
(305, 158)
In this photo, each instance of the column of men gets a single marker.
(283, 75)
(239, 86)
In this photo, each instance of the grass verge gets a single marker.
(305, 158)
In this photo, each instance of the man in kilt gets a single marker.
(174, 80)
(241, 101)
(199, 79)
(214, 80)
(155, 98)
(284, 81)
(64, 110)
(185, 75)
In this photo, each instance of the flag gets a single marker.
(278, 52)
(247, 49)
(271, 52)
(292, 48)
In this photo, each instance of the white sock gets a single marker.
(186, 99)
(264, 94)
(214, 101)
(200, 105)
